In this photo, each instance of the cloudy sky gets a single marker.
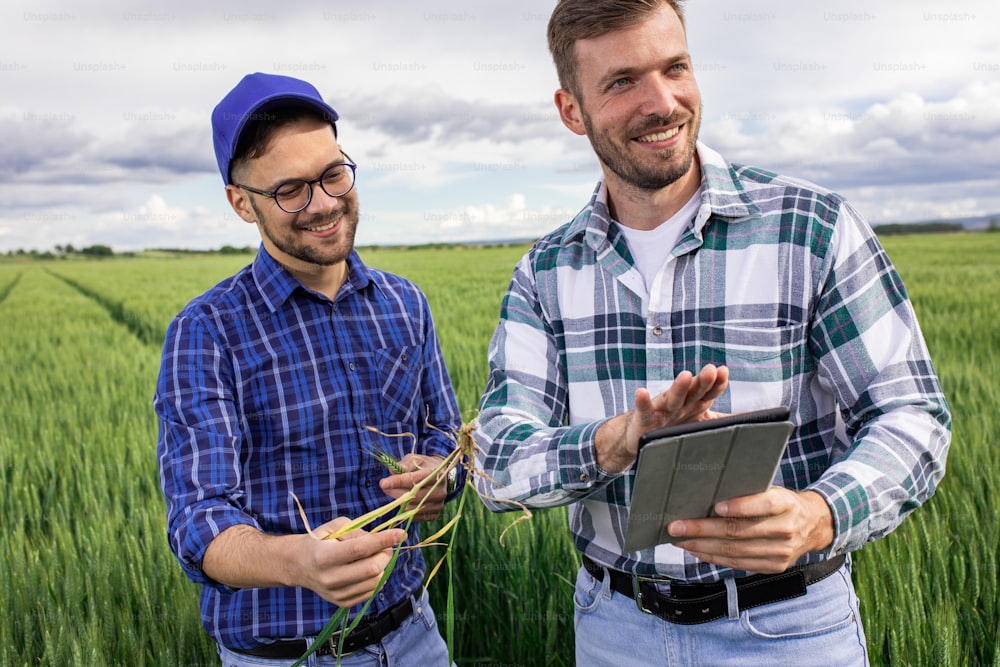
(447, 107)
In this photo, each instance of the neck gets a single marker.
(326, 280)
(648, 209)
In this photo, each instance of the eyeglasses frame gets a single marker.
(351, 164)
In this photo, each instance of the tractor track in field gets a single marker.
(118, 312)
(9, 287)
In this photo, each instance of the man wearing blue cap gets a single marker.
(282, 380)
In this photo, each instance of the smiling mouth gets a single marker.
(323, 228)
(659, 136)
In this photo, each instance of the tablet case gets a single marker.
(683, 471)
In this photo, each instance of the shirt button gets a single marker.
(657, 331)
(351, 365)
(584, 477)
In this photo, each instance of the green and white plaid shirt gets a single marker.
(780, 281)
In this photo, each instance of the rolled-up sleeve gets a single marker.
(525, 449)
(198, 445)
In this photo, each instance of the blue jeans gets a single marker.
(417, 643)
(822, 627)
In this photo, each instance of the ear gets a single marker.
(239, 199)
(569, 111)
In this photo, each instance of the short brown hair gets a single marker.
(573, 20)
(256, 136)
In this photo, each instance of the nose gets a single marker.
(320, 202)
(659, 96)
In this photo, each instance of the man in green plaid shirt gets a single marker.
(686, 288)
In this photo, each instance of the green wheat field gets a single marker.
(88, 579)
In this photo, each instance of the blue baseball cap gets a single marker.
(247, 101)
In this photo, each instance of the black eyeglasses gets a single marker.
(295, 195)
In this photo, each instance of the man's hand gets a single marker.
(687, 400)
(419, 468)
(343, 571)
(346, 570)
(765, 533)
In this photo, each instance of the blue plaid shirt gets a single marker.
(782, 282)
(267, 389)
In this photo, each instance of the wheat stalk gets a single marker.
(463, 454)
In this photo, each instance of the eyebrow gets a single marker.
(342, 160)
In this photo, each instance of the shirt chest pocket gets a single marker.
(399, 371)
(755, 352)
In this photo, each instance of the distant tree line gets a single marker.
(224, 250)
(101, 251)
(918, 228)
(64, 251)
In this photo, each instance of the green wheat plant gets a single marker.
(386, 459)
(88, 579)
(401, 513)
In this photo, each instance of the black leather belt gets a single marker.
(368, 632)
(689, 604)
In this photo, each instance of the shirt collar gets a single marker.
(722, 196)
(722, 189)
(277, 284)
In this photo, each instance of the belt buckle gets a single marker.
(637, 594)
(331, 645)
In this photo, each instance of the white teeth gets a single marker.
(321, 229)
(659, 136)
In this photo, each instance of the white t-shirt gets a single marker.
(651, 249)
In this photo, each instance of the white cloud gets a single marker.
(106, 107)
(512, 218)
(904, 140)
(155, 215)
(158, 224)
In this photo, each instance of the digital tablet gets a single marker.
(684, 470)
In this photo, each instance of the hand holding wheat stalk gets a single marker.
(411, 470)
(427, 490)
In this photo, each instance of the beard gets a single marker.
(673, 163)
(321, 252)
